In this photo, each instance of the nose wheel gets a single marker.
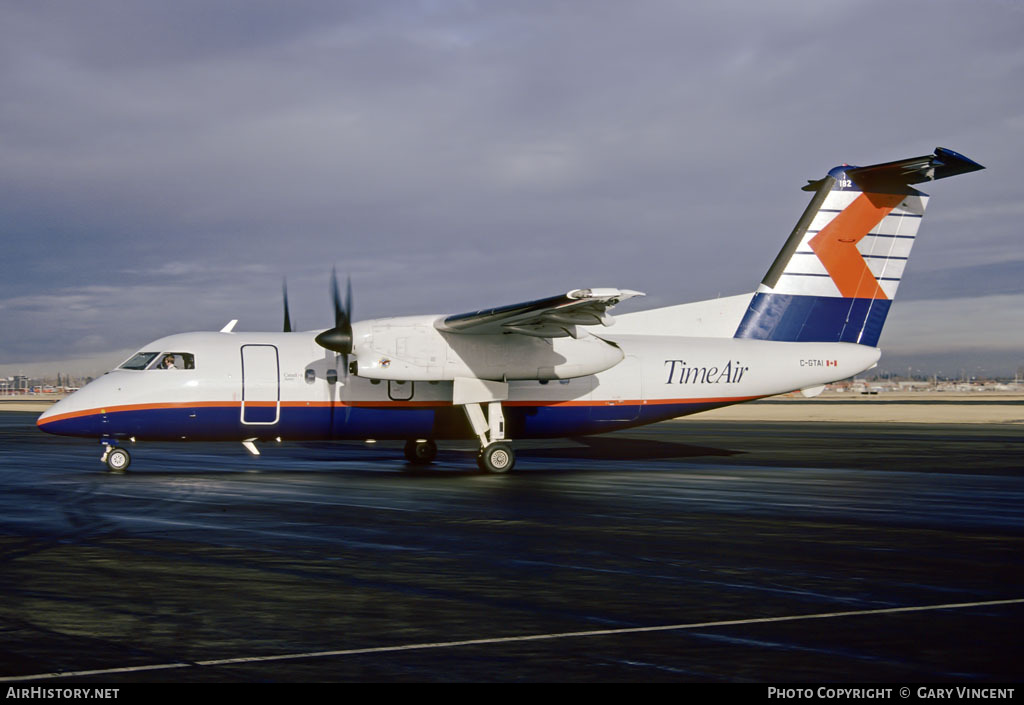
(117, 459)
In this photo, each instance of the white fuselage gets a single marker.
(284, 385)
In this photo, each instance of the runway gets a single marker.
(685, 551)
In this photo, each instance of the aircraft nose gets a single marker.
(67, 417)
(48, 416)
(83, 413)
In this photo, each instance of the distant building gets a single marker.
(17, 384)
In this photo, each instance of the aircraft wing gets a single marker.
(553, 317)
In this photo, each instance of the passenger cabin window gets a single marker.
(175, 361)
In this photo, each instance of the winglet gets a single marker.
(230, 326)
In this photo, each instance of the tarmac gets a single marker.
(696, 550)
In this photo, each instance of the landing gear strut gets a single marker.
(471, 394)
(421, 451)
(495, 452)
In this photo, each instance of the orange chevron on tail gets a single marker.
(836, 244)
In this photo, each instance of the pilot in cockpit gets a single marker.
(168, 363)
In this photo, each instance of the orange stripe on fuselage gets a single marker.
(836, 244)
(135, 407)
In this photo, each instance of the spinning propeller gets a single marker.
(339, 338)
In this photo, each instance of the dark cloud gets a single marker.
(453, 155)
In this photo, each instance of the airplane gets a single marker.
(553, 367)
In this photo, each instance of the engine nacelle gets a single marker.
(412, 349)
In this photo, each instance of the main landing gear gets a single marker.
(495, 454)
(496, 458)
(117, 459)
(481, 400)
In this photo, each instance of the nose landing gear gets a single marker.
(117, 459)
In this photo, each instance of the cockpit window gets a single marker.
(160, 361)
(175, 361)
(139, 361)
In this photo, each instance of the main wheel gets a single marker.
(118, 460)
(497, 458)
(420, 452)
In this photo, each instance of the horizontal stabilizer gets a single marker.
(931, 167)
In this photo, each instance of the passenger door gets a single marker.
(261, 385)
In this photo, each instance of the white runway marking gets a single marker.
(510, 640)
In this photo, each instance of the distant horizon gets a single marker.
(948, 365)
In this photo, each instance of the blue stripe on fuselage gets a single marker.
(223, 423)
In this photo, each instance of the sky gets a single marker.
(164, 166)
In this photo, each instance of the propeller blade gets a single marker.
(348, 298)
(284, 295)
(348, 316)
(339, 338)
(335, 296)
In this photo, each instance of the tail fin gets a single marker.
(837, 274)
